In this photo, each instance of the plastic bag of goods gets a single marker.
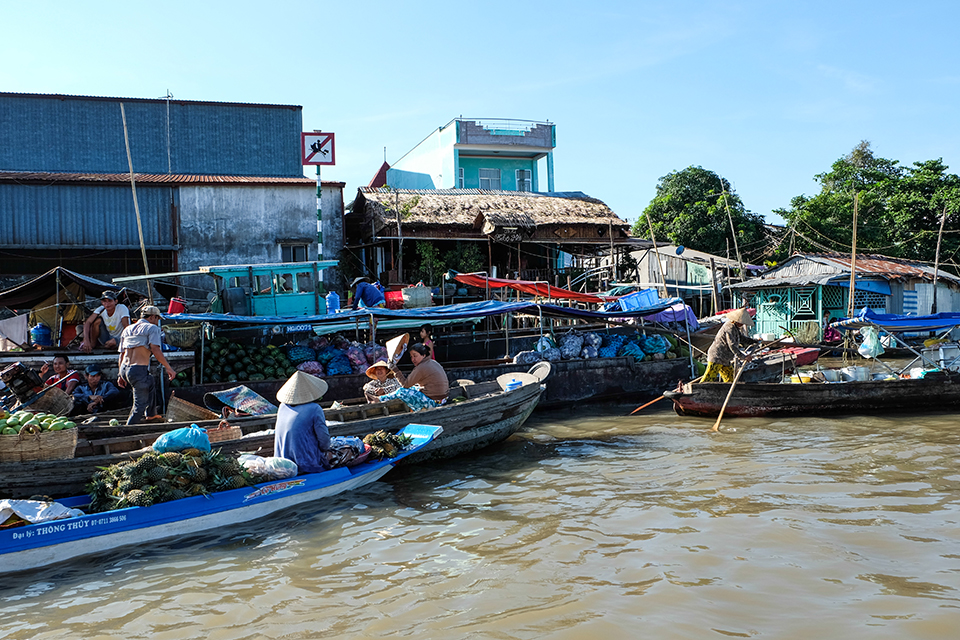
(375, 353)
(589, 352)
(299, 354)
(328, 353)
(592, 339)
(551, 355)
(871, 347)
(339, 366)
(654, 344)
(280, 468)
(312, 367)
(192, 437)
(570, 346)
(528, 357)
(610, 351)
(544, 343)
(358, 359)
(255, 465)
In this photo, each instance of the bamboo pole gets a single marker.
(136, 206)
(936, 260)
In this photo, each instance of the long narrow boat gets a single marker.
(38, 545)
(474, 416)
(934, 392)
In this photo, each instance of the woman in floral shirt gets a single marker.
(383, 381)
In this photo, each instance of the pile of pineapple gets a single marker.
(162, 477)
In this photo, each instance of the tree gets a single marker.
(690, 209)
(898, 208)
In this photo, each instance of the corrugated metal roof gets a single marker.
(821, 268)
(24, 177)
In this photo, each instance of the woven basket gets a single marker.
(46, 445)
(415, 297)
(53, 400)
(182, 335)
(179, 410)
(222, 434)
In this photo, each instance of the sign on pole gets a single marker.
(317, 148)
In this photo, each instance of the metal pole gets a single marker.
(320, 222)
(936, 261)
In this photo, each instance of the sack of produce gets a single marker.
(339, 366)
(312, 367)
(192, 437)
(551, 355)
(592, 340)
(589, 352)
(528, 357)
(299, 354)
(544, 343)
(357, 357)
(632, 350)
(375, 353)
(571, 345)
(654, 344)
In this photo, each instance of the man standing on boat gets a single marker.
(137, 343)
(301, 433)
(726, 347)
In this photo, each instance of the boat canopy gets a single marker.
(893, 323)
(464, 311)
(542, 289)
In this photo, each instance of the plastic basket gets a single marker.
(46, 445)
(182, 335)
(416, 297)
(639, 300)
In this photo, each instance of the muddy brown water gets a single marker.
(586, 524)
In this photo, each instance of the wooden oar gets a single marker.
(644, 406)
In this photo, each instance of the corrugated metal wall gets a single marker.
(82, 216)
(85, 135)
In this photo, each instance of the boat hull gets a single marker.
(33, 546)
(933, 393)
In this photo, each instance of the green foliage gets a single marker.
(430, 268)
(898, 208)
(465, 257)
(690, 209)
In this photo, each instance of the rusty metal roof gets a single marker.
(161, 178)
(820, 268)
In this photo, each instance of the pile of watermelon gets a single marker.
(226, 361)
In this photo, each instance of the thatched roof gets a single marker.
(469, 208)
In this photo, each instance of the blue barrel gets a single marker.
(40, 335)
(333, 302)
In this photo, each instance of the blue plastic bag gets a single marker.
(192, 437)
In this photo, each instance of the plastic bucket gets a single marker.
(830, 375)
(177, 305)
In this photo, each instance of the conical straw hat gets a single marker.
(301, 388)
(742, 316)
(396, 347)
(379, 363)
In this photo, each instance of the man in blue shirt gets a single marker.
(366, 293)
(96, 394)
(301, 432)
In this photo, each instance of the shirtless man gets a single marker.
(137, 343)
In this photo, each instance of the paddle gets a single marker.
(644, 406)
(716, 425)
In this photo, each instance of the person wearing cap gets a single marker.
(108, 321)
(383, 381)
(96, 394)
(138, 342)
(726, 347)
(301, 432)
(366, 294)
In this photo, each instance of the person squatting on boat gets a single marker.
(104, 326)
(366, 294)
(383, 381)
(726, 347)
(62, 376)
(96, 394)
(137, 343)
(426, 387)
(301, 432)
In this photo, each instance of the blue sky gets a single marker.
(767, 94)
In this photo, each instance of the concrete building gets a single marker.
(216, 183)
(470, 153)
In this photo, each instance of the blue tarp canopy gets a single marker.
(426, 315)
(893, 323)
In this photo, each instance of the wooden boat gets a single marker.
(474, 416)
(37, 545)
(936, 391)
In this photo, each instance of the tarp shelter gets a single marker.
(56, 298)
(893, 323)
(542, 289)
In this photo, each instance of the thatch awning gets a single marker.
(466, 209)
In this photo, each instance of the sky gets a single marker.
(765, 94)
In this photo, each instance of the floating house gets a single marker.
(801, 292)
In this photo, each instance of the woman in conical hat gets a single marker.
(726, 347)
(383, 381)
(301, 431)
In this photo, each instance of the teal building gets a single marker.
(473, 153)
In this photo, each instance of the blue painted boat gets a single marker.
(38, 545)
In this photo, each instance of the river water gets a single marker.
(586, 524)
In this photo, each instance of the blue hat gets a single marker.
(94, 370)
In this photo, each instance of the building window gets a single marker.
(293, 253)
(524, 180)
(490, 179)
(460, 178)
